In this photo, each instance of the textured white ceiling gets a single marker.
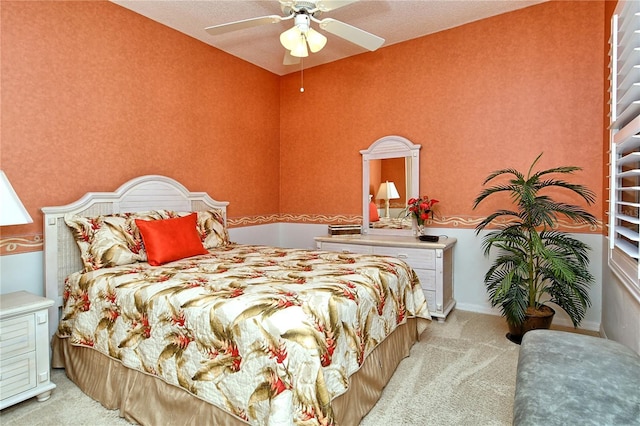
(393, 20)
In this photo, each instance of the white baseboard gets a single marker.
(477, 308)
(561, 319)
(602, 332)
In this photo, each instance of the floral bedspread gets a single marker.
(270, 335)
(392, 223)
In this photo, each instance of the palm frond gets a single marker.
(496, 173)
(561, 169)
(493, 216)
(544, 212)
(509, 239)
(507, 290)
(588, 195)
(510, 189)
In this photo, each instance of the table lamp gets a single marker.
(386, 192)
(12, 212)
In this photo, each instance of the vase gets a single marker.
(540, 318)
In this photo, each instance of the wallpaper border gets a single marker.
(21, 244)
(35, 242)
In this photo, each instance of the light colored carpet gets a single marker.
(461, 372)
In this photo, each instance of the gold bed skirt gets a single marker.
(148, 400)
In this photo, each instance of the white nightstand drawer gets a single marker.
(431, 300)
(17, 374)
(17, 336)
(347, 248)
(24, 348)
(416, 258)
(427, 278)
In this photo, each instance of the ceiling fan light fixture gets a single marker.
(295, 38)
(316, 40)
(290, 38)
(301, 38)
(302, 22)
(300, 49)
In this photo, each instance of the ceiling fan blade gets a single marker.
(245, 23)
(327, 5)
(289, 59)
(350, 33)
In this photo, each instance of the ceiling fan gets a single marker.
(296, 39)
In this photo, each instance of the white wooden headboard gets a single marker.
(151, 192)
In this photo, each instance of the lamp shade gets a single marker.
(12, 212)
(316, 40)
(290, 38)
(387, 191)
(300, 50)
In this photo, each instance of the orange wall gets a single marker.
(93, 95)
(484, 96)
(393, 171)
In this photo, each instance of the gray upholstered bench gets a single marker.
(571, 379)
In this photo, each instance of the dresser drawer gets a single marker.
(347, 248)
(427, 278)
(17, 336)
(17, 374)
(416, 258)
(432, 262)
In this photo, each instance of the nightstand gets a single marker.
(24, 348)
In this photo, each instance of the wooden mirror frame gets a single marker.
(390, 147)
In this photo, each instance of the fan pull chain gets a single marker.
(301, 75)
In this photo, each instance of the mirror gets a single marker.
(390, 174)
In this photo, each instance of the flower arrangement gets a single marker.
(421, 209)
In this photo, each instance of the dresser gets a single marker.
(24, 348)
(432, 262)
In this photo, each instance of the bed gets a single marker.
(170, 331)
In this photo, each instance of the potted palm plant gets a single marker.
(536, 263)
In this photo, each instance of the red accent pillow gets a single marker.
(373, 212)
(166, 240)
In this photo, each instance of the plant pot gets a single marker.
(534, 319)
